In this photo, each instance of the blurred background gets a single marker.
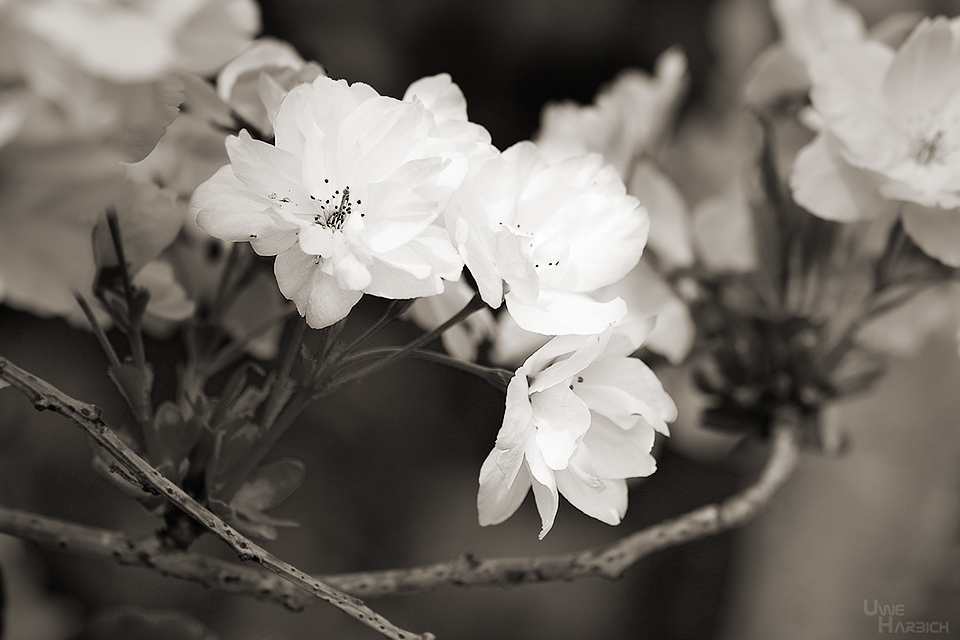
(392, 466)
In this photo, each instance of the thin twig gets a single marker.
(105, 544)
(609, 561)
(134, 317)
(475, 304)
(45, 396)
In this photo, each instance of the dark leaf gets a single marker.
(269, 485)
(143, 624)
(136, 385)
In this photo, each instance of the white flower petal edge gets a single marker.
(580, 418)
(346, 199)
(541, 235)
(889, 136)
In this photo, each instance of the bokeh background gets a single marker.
(392, 466)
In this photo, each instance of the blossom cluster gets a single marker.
(144, 144)
(365, 194)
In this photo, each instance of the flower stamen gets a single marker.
(929, 150)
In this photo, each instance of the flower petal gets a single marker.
(670, 233)
(847, 92)
(639, 381)
(500, 495)
(827, 186)
(545, 491)
(316, 294)
(607, 505)
(620, 453)
(936, 231)
(561, 419)
(925, 72)
(227, 211)
(562, 313)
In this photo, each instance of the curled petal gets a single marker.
(620, 453)
(561, 419)
(500, 495)
(562, 313)
(317, 295)
(936, 231)
(827, 186)
(606, 505)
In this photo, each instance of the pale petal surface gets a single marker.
(346, 198)
(580, 418)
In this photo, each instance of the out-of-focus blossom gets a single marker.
(540, 236)
(463, 339)
(191, 150)
(345, 199)
(255, 82)
(904, 330)
(670, 232)
(723, 231)
(148, 218)
(441, 95)
(890, 136)
(168, 304)
(625, 121)
(255, 317)
(646, 293)
(142, 41)
(806, 27)
(51, 197)
(580, 418)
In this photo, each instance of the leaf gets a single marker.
(269, 485)
(143, 624)
(136, 385)
(173, 438)
(229, 449)
(266, 487)
(233, 404)
(253, 524)
(111, 470)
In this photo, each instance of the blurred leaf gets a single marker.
(173, 438)
(253, 524)
(237, 402)
(269, 485)
(149, 218)
(229, 449)
(266, 488)
(136, 385)
(131, 623)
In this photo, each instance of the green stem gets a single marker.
(497, 377)
(290, 355)
(98, 331)
(134, 335)
(475, 304)
(394, 310)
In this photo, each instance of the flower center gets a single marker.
(332, 216)
(927, 150)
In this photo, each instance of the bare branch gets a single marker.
(608, 561)
(105, 544)
(87, 416)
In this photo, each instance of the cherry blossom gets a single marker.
(540, 236)
(581, 417)
(626, 119)
(142, 40)
(345, 199)
(255, 82)
(890, 136)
